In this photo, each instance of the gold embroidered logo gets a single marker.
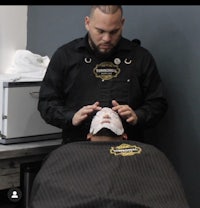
(125, 150)
(106, 70)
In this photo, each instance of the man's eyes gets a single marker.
(111, 33)
(100, 31)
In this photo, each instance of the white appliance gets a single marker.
(20, 120)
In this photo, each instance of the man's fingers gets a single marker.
(114, 103)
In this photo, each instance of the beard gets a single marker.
(97, 51)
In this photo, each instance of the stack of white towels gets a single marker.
(26, 66)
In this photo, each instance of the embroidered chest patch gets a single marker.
(106, 70)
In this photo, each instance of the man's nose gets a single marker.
(106, 116)
(106, 37)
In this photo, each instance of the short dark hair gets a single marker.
(107, 9)
(106, 132)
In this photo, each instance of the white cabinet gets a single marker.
(20, 120)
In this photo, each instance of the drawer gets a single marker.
(20, 115)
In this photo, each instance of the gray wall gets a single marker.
(171, 33)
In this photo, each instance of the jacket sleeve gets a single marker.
(51, 98)
(154, 103)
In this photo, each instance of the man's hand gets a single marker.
(125, 112)
(84, 112)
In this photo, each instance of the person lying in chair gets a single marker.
(107, 171)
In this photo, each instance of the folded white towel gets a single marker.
(28, 64)
(9, 77)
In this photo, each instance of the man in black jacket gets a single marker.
(102, 69)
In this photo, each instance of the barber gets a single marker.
(102, 69)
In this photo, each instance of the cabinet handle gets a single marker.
(34, 94)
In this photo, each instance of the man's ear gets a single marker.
(124, 136)
(87, 22)
(89, 135)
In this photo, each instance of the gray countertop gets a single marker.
(27, 149)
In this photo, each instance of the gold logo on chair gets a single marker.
(125, 150)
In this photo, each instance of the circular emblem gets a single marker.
(127, 61)
(117, 61)
(14, 194)
(88, 60)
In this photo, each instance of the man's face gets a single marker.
(104, 30)
(107, 118)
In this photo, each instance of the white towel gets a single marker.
(28, 65)
(10, 77)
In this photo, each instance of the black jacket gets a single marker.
(76, 77)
